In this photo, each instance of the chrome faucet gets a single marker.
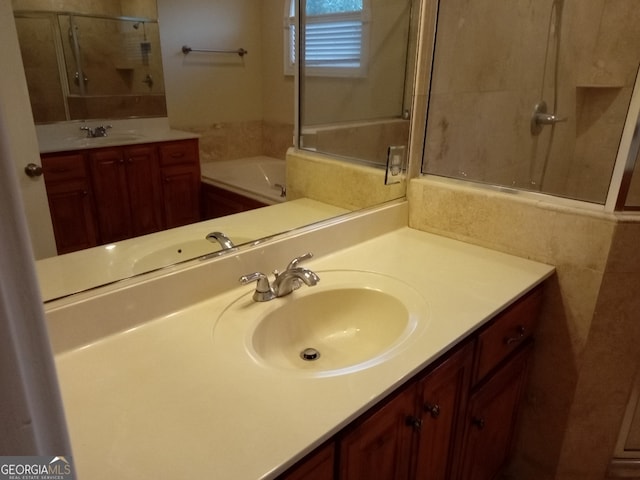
(224, 241)
(284, 282)
(99, 131)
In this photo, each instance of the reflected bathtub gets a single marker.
(261, 178)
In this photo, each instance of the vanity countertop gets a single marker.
(67, 136)
(166, 398)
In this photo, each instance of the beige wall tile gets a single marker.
(339, 183)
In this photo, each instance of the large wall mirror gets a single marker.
(106, 58)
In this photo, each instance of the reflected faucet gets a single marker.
(99, 131)
(284, 283)
(219, 237)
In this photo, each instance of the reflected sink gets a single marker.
(113, 138)
(179, 252)
(350, 321)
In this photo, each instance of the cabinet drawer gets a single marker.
(62, 168)
(183, 151)
(508, 331)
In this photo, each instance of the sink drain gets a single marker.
(309, 354)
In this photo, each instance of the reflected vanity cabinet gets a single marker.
(455, 420)
(104, 195)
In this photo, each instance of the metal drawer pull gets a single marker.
(434, 410)
(413, 422)
(478, 422)
(521, 333)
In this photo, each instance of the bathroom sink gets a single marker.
(350, 321)
(111, 139)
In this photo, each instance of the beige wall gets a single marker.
(241, 107)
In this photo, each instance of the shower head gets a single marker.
(136, 25)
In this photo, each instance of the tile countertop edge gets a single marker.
(184, 337)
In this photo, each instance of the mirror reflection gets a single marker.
(82, 66)
(230, 124)
(540, 103)
(367, 72)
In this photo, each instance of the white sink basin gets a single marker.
(350, 321)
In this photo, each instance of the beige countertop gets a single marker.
(67, 136)
(165, 391)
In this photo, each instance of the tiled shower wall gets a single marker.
(485, 91)
(232, 140)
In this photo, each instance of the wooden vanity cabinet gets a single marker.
(490, 420)
(454, 421)
(319, 465)
(127, 191)
(416, 433)
(70, 201)
(107, 194)
(502, 353)
(442, 401)
(379, 446)
(180, 169)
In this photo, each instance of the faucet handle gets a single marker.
(89, 130)
(294, 263)
(263, 292)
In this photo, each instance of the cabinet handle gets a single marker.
(434, 410)
(521, 332)
(478, 422)
(413, 422)
(130, 160)
(33, 170)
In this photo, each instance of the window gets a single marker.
(337, 33)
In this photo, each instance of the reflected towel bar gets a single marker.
(241, 51)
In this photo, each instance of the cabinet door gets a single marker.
(108, 177)
(317, 466)
(70, 202)
(72, 216)
(443, 395)
(181, 194)
(491, 419)
(380, 446)
(143, 188)
(180, 182)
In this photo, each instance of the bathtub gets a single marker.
(261, 178)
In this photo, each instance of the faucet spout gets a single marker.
(289, 280)
(224, 241)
